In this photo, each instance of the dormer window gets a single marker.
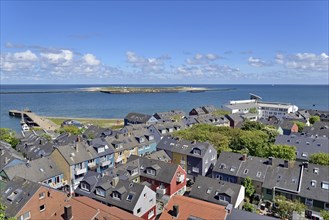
(316, 170)
(100, 192)
(325, 185)
(313, 183)
(232, 169)
(222, 166)
(134, 172)
(116, 195)
(208, 191)
(259, 174)
(84, 186)
(151, 137)
(196, 151)
(130, 197)
(100, 150)
(304, 154)
(150, 172)
(141, 140)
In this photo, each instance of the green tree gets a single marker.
(220, 112)
(249, 187)
(46, 136)
(272, 133)
(282, 151)
(70, 129)
(255, 141)
(324, 214)
(253, 110)
(287, 207)
(300, 125)
(8, 136)
(3, 213)
(314, 119)
(249, 207)
(252, 125)
(320, 158)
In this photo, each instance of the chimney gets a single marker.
(270, 161)
(286, 164)
(78, 139)
(67, 212)
(115, 181)
(244, 157)
(175, 211)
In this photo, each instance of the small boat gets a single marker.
(25, 127)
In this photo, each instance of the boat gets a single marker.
(25, 127)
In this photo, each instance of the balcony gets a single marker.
(91, 165)
(78, 171)
(161, 190)
(105, 163)
(180, 178)
(118, 160)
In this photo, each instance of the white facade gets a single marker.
(146, 201)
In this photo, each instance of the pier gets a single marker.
(35, 120)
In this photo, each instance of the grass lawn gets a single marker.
(105, 123)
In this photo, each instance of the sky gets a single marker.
(164, 42)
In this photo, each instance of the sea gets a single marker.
(74, 101)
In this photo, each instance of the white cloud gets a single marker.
(63, 56)
(198, 58)
(304, 61)
(90, 59)
(256, 62)
(25, 56)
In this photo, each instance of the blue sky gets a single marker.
(217, 42)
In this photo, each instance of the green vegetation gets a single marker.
(8, 136)
(3, 213)
(176, 118)
(320, 158)
(249, 187)
(253, 110)
(70, 129)
(220, 112)
(256, 139)
(249, 207)
(324, 214)
(287, 207)
(104, 123)
(300, 125)
(282, 151)
(314, 119)
(46, 136)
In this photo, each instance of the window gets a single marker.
(309, 202)
(269, 191)
(213, 157)
(259, 174)
(150, 171)
(25, 216)
(129, 197)
(84, 186)
(316, 170)
(139, 210)
(195, 169)
(151, 214)
(42, 208)
(304, 154)
(222, 166)
(245, 171)
(232, 169)
(313, 183)
(208, 191)
(116, 195)
(100, 192)
(325, 185)
(42, 195)
(206, 161)
(144, 195)
(326, 206)
(151, 200)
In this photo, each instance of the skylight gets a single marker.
(130, 197)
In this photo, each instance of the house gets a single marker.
(234, 168)
(319, 129)
(138, 118)
(9, 156)
(74, 160)
(105, 155)
(159, 155)
(235, 120)
(324, 115)
(135, 198)
(288, 127)
(241, 106)
(164, 178)
(305, 145)
(238, 214)
(43, 170)
(195, 157)
(182, 207)
(189, 121)
(165, 128)
(25, 199)
(218, 192)
(171, 115)
(91, 210)
(213, 120)
(308, 183)
(202, 110)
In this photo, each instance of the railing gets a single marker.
(161, 190)
(78, 171)
(180, 178)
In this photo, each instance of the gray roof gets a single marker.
(305, 145)
(124, 187)
(24, 190)
(159, 155)
(138, 117)
(173, 144)
(211, 119)
(127, 140)
(9, 155)
(36, 170)
(169, 114)
(241, 106)
(101, 143)
(228, 163)
(206, 189)
(77, 152)
(238, 214)
(319, 128)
